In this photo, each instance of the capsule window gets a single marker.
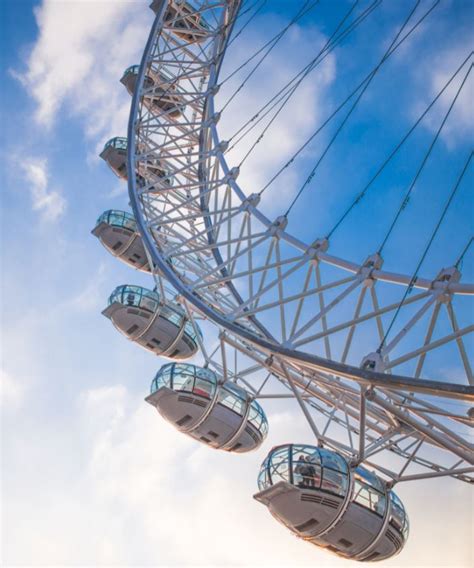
(203, 388)
(369, 478)
(278, 466)
(189, 330)
(308, 452)
(263, 478)
(306, 473)
(397, 518)
(183, 382)
(231, 401)
(280, 471)
(135, 296)
(163, 379)
(254, 417)
(334, 482)
(333, 461)
(368, 497)
(205, 374)
(173, 316)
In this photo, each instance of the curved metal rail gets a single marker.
(182, 227)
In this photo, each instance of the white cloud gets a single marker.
(78, 59)
(306, 109)
(121, 479)
(91, 298)
(460, 125)
(189, 503)
(50, 203)
(108, 481)
(12, 390)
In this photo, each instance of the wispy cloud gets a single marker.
(11, 390)
(48, 202)
(81, 51)
(298, 118)
(91, 297)
(460, 126)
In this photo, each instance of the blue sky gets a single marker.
(90, 474)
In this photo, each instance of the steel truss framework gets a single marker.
(288, 313)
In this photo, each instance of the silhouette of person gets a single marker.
(300, 469)
(310, 472)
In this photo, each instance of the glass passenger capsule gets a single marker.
(115, 154)
(159, 91)
(157, 325)
(315, 494)
(222, 415)
(118, 232)
(183, 20)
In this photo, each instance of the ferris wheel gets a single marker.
(348, 341)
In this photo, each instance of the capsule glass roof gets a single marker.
(150, 300)
(133, 70)
(203, 382)
(305, 466)
(118, 218)
(316, 468)
(186, 377)
(135, 296)
(118, 142)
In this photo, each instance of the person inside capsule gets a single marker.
(220, 414)
(314, 492)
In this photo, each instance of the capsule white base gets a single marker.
(206, 420)
(151, 331)
(350, 531)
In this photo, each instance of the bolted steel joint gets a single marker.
(319, 245)
(278, 225)
(233, 174)
(373, 362)
(373, 262)
(221, 147)
(251, 201)
(370, 394)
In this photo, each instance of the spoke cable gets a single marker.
(351, 110)
(359, 86)
(330, 44)
(269, 42)
(287, 90)
(459, 261)
(249, 20)
(414, 278)
(272, 44)
(406, 199)
(362, 193)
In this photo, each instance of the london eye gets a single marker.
(250, 304)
